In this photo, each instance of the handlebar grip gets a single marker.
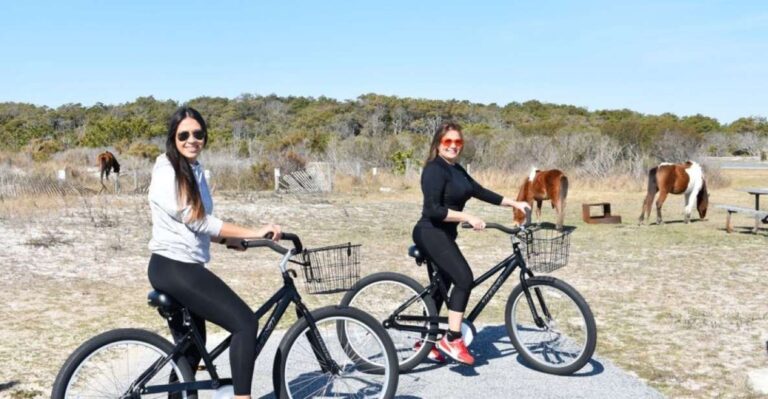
(265, 243)
(283, 236)
(295, 239)
(496, 226)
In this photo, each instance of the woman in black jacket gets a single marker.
(447, 187)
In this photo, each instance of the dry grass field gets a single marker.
(685, 307)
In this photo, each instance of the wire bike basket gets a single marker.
(545, 248)
(331, 269)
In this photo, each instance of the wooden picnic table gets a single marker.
(757, 213)
(757, 192)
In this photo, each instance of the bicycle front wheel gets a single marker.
(562, 338)
(299, 371)
(380, 295)
(108, 364)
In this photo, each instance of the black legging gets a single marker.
(209, 298)
(440, 247)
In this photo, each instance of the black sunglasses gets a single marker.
(183, 136)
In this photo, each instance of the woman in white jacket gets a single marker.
(182, 230)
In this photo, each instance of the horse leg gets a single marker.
(538, 210)
(560, 209)
(688, 208)
(101, 180)
(559, 205)
(659, 204)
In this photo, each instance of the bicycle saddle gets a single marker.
(159, 299)
(413, 252)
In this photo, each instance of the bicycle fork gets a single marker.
(540, 322)
(320, 350)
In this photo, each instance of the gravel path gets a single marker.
(498, 373)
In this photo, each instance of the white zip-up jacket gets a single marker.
(173, 236)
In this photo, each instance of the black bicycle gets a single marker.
(549, 322)
(311, 360)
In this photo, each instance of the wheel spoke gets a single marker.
(564, 337)
(303, 377)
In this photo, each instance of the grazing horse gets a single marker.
(107, 162)
(543, 185)
(682, 178)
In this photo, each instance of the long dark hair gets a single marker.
(186, 185)
(439, 133)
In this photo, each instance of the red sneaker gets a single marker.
(456, 350)
(434, 354)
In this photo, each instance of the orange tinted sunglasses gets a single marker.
(447, 142)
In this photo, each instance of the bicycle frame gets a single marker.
(505, 267)
(279, 303)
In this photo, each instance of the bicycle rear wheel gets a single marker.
(564, 339)
(298, 373)
(380, 295)
(106, 365)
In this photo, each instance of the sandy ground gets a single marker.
(684, 307)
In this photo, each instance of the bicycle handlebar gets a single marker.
(267, 242)
(501, 227)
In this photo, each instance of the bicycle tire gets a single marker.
(88, 356)
(551, 342)
(327, 320)
(366, 295)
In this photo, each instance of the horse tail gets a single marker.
(102, 165)
(563, 196)
(653, 185)
(653, 188)
(702, 199)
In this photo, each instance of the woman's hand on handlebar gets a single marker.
(476, 222)
(274, 229)
(520, 205)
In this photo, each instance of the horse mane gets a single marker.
(532, 173)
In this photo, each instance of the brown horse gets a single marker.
(107, 162)
(543, 185)
(682, 178)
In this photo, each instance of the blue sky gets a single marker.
(684, 57)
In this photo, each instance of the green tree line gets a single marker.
(314, 123)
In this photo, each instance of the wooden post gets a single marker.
(61, 174)
(135, 181)
(374, 171)
(277, 179)
(357, 170)
(117, 183)
(729, 223)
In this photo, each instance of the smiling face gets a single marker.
(192, 146)
(450, 146)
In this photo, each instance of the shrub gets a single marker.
(261, 176)
(41, 150)
(143, 150)
(400, 160)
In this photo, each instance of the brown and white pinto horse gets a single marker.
(682, 178)
(107, 162)
(543, 185)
